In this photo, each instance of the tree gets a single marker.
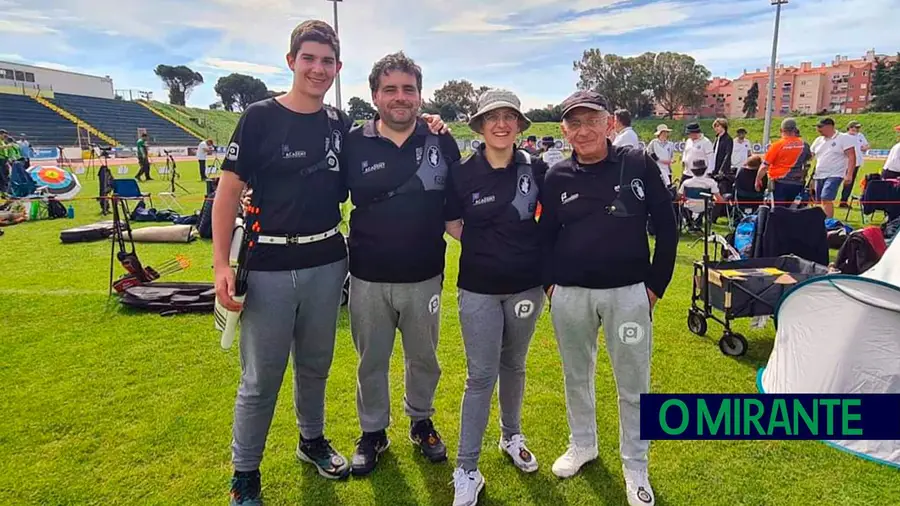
(241, 90)
(460, 94)
(626, 82)
(678, 82)
(360, 109)
(179, 80)
(750, 101)
(886, 86)
(551, 114)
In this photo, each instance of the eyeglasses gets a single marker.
(591, 123)
(497, 117)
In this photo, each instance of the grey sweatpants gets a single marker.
(285, 312)
(377, 310)
(497, 331)
(577, 315)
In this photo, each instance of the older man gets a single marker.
(862, 145)
(835, 155)
(785, 164)
(598, 268)
(696, 147)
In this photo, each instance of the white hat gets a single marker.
(497, 99)
(662, 128)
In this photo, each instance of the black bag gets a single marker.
(204, 223)
(87, 233)
(171, 298)
(890, 229)
(55, 209)
(857, 255)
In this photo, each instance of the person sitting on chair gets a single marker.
(703, 182)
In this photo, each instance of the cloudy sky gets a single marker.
(525, 45)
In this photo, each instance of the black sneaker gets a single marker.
(245, 489)
(428, 440)
(368, 448)
(328, 462)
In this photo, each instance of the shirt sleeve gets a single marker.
(539, 168)
(662, 215)
(772, 153)
(452, 203)
(548, 229)
(239, 154)
(450, 149)
(893, 160)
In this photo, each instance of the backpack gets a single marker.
(862, 250)
(55, 209)
(743, 236)
(204, 222)
(836, 232)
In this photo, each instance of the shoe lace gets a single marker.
(461, 482)
(424, 429)
(368, 442)
(319, 448)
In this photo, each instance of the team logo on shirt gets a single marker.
(419, 153)
(525, 184)
(434, 304)
(637, 186)
(336, 141)
(524, 309)
(565, 198)
(233, 150)
(287, 154)
(434, 156)
(631, 333)
(478, 200)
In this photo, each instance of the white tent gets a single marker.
(841, 334)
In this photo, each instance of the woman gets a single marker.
(491, 201)
(663, 153)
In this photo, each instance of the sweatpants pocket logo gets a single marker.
(524, 309)
(434, 304)
(631, 333)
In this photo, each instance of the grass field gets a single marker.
(878, 127)
(103, 405)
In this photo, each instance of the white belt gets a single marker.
(296, 239)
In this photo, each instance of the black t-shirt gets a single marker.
(501, 250)
(594, 223)
(269, 151)
(397, 239)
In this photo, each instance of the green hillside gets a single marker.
(878, 127)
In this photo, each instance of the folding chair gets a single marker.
(696, 194)
(129, 189)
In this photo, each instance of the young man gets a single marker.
(143, 158)
(723, 147)
(625, 135)
(742, 150)
(597, 269)
(396, 171)
(785, 164)
(862, 145)
(286, 150)
(204, 149)
(697, 146)
(835, 154)
(663, 153)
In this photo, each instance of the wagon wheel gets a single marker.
(696, 323)
(733, 345)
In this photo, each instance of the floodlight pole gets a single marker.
(770, 97)
(337, 78)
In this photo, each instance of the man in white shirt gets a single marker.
(862, 145)
(891, 169)
(662, 152)
(697, 147)
(835, 155)
(742, 151)
(551, 155)
(203, 149)
(625, 135)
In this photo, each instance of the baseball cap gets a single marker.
(584, 98)
(854, 124)
(825, 121)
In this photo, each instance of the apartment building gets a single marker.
(843, 86)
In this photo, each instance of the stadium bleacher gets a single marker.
(20, 114)
(121, 120)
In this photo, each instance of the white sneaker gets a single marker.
(571, 462)
(521, 455)
(467, 485)
(637, 487)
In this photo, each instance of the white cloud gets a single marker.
(24, 27)
(53, 65)
(239, 66)
(10, 57)
(620, 21)
(471, 22)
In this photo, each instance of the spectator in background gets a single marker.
(143, 158)
(862, 145)
(742, 151)
(835, 155)
(702, 181)
(551, 155)
(696, 147)
(530, 146)
(663, 153)
(891, 167)
(204, 149)
(785, 164)
(723, 147)
(25, 150)
(625, 135)
(4, 161)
